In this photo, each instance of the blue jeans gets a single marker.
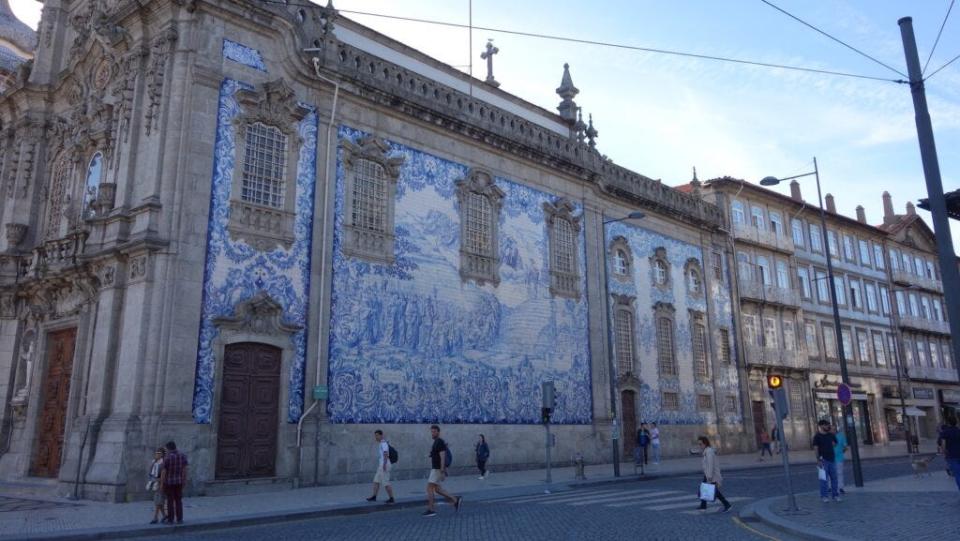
(954, 464)
(831, 469)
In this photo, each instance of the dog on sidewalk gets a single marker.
(921, 465)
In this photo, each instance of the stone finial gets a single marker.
(567, 107)
(795, 191)
(888, 214)
(911, 211)
(861, 214)
(591, 133)
(579, 128)
(488, 56)
(831, 204)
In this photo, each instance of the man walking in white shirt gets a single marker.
(382, 477)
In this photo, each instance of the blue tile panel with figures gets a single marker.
(410, 342)
(242, 54)
(234, 271)
(643, 244)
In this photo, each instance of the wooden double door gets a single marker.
(55, 391)
(249, 405)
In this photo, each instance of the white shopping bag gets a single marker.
(708, 492)
(821, 474)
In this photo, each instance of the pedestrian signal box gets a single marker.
(774, 381)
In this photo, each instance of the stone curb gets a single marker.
(256, 519)
(762, 509)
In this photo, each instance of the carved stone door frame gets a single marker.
(258, 320)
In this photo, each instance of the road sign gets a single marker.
(844, 394)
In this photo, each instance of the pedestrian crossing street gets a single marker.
(647, 499)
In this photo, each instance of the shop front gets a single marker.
(949, 403)
(893, 413)
(924, 410)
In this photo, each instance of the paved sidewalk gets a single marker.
(900, 508)
(29, 511)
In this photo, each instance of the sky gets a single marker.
(662, 115)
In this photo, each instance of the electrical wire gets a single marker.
(927, 78)
(937, 41)
(841, 42)
(606, 44)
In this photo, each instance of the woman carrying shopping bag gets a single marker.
(711, 475)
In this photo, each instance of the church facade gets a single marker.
(264, 231)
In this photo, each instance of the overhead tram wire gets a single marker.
(841, 42)
(954, 59)
(606, 44)
(937, 41)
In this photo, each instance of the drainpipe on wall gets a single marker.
(322, 288)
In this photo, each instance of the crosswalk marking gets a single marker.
(688, 497)
(530, 498)
(679, 505)
(610, 498)
(699, 512)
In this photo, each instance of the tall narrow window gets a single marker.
(783, 275)
(372, 176)
(756, 215)
(908, 353)
(810, 338)
(914, 305)
(803, 276)
(856, 301)
(763, 268)
(864, 252)
(776, 223)
(907, 266)
(751, 336)
(885, 300)
(797, 227)
(871, 297)
(847, 337)
(92, 185)
(935, 354)
(848, 251)
(736, 212)
(925, 308)
(264, 166)
(564, 229)
(937, 310)
(796, 399)
(878, 257)
(660, 267)
(625, 347)
(823, 288)
(919, 267)
(622, 259)
(770, 338)
(829, 341)
(718, 266)
(789, 335)
(745, 267)
(839, 288)
(621, 263)
(694, 277)
(725, 353)
(931, 272)
(863, 346)
(901, 304)
(816, 239)
(666, 350)
(832, 244)
(480, 201)
(701, 368)
(894, 260)
(878, 348)
(59, 184)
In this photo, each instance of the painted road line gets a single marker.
(626, 496)
(534, 497)
(687, 497)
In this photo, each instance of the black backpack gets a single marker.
(392, 454)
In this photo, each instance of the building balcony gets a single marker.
(928, 325)
(906, 278)
(933, 373)
(769, 293)
(767, 239)
(777, 357)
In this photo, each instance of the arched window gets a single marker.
(92, 185)
(264, 165)
(478, 218)
(660, 268)
(56, 198)
(622, 259)
(621, 264)
(694, 284)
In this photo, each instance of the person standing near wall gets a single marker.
(655, 443)
(173, 479)
(643, 440)
(483, 454)
(824, 443)
(838, 450)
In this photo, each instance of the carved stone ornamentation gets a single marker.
(480, 251)
(363, 241)
(16, 233)
(106, 196)
(160, 51)
(258, 315)
(137, 268)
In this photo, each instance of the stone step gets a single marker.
(247, 486)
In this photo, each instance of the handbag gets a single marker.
(708, 492)
(821, 474)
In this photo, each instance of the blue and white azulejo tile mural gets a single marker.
(242, 54)
(234, 271)
(643, 244)
(411, 342)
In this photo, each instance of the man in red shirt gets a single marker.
(172, 479)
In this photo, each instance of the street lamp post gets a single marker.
(635, 215)
(849, 427)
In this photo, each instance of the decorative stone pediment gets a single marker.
(629, 381)
(274, 104)
(474, 265)
(259, 315)
(563, 282)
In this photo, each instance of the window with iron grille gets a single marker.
(623, 330)
(704, 402)
(700, 366)
(718, 266)
(369, 197)
(670, 401)
(478, 218)
(58, 188)
(730, 404)
(665, 356)
(796, 399)
(264, 165)
(563, 251)
(725, 354)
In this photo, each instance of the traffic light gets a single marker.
(774, 381)
(779, 395)
(545, 415)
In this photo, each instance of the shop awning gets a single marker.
(832, 395)
(915, 412)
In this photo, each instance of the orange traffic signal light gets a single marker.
(774, 381)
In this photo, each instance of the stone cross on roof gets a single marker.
(488, 56)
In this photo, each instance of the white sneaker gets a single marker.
(825, 500)
(480, 478)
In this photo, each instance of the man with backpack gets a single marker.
(386, 456)
(440, 459)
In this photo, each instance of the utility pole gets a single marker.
(931, 172)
